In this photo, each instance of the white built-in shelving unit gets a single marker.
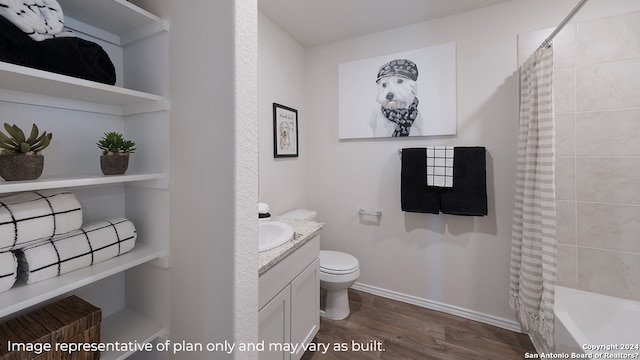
(132, 289)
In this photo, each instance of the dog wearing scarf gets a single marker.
(398, 111)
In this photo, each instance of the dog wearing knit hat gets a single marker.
(397, 89)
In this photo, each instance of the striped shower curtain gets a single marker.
(533, 245)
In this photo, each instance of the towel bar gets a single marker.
(378, 213)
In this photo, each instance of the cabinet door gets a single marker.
(305, 306)
(275, 327)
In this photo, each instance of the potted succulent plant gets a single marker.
(20, 158)
(115, 153)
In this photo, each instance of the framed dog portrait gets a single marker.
(285, 131)
(411, 93)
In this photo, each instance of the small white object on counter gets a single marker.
(263, 208)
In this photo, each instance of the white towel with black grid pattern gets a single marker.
(440, 166)
(92, 243)
(37, 215)
(40, 19)
(8, 270)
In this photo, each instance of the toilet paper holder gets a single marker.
(363, 212)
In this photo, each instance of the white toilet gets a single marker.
(338, 271)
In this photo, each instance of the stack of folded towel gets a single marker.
(32, 34)
(42, 236)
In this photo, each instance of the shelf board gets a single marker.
(76, 181)
(32, 86)
(118, 17)
(127, 326)
(22, 296)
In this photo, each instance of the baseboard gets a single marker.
(445, 308)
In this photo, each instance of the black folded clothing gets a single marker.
(15, 45)
(70, 56)
(75, 57)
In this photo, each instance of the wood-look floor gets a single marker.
(396, 330)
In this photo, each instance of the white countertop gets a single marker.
(303, 231)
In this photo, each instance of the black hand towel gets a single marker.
(469, 193)
(415, 195)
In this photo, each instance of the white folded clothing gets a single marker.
(263, 208)
(40, 19)
(94, 242)
(8, 270)
(37, 215)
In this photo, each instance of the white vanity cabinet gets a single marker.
(275, 319)
(133, 289)
(289, 302)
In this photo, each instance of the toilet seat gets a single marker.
(337, 263)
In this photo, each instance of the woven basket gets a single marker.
(70, 320)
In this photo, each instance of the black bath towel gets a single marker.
(415, 195)
(468, 196)
(70, 56)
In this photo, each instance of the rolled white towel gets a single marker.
(94, 242)
(8, 270)
(263, 208)
(37, 215)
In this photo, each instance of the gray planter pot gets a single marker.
(21, 167)
(114, 164)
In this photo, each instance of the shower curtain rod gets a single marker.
(564, 22)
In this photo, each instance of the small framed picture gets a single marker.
(285, 131)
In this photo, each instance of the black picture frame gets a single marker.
(285, 131)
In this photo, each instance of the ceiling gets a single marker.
(316, 22)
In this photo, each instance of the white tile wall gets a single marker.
(607, 133)
(608, 226)
(566, 222)
(608, 179)
(597, 105)
(566, 134)
(612, 273)
(608, 86)
(565, 178)
(567, 269)
(564, 90)
(610, 39)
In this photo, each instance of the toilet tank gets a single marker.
(301, 214)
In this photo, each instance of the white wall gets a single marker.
(280, 80)
(214, 172)
(461, 262)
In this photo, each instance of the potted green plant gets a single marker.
(115, 153)
(21, 158)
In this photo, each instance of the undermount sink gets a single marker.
(272, 234)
